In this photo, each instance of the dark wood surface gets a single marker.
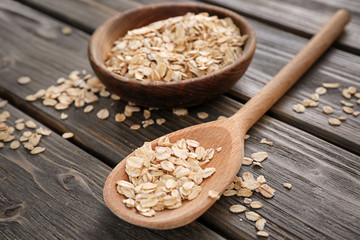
(301, 17)
(58, 195)
(323, 203)
(274, 49)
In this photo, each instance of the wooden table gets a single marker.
(58, 194)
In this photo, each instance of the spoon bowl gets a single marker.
(228, 134)
(163, 94)
(227, 163)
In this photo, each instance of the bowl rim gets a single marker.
(243, 58)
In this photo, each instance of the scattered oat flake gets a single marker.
(259, 156)
(213, 194)
(180, 111)
(135, 127)
(20, 126)
(252, 216)
(348, 110)
(66, 30)
(352, 90)
(247, 161)
(120, 117)
(287, 185)
(261, 179)
(221, 117)
(306, 102)
(328, 109)
(30, 124)
(299, 108)
(103, 114)
(202, 115)
(346, 94)
(334, 121)
(20, 120)
(63, 116)
(30, 98)
(14, 145)
(1, 145)
(247, 200)
(24, 80)
(3, 103)
(88, 108)
(243, 192)
(265, 141)
(356, 113)
(246, 136)
(37, 150)
(229, 193)
(257, 164)
(331, 85)
(42, 131)
(260, 224)
(320, 90)
(68, 135)
(218, 149)
(357, 95)
(266, 191)
(114, 97)
(160, 121)
(314, 97)
(256, 204)
(147, 114)
(342, 118)
(237, 208)
(347, 104)
(262, 234)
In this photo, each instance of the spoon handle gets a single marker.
(257, 106)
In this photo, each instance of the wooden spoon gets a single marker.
(228, 134)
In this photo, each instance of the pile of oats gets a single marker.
(29, 139)
(246, 185)
(177, 48)
(82, 90)
(163, 177)
(348, 107)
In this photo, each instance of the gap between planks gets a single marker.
(231, 94)
(289, 120)
(59, 16)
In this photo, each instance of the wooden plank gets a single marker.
(325, 188)
(301, 17)
(92, 12)
(58, 195)
(86, 14)
(288, 15)
(275, 48)
(320, 172)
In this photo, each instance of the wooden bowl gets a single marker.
(166, 94)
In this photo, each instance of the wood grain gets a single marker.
(323, 172)
(300, 17)
(275, 48)
(58, 195)
(275, 89)
(324, 183)
(228, 134)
